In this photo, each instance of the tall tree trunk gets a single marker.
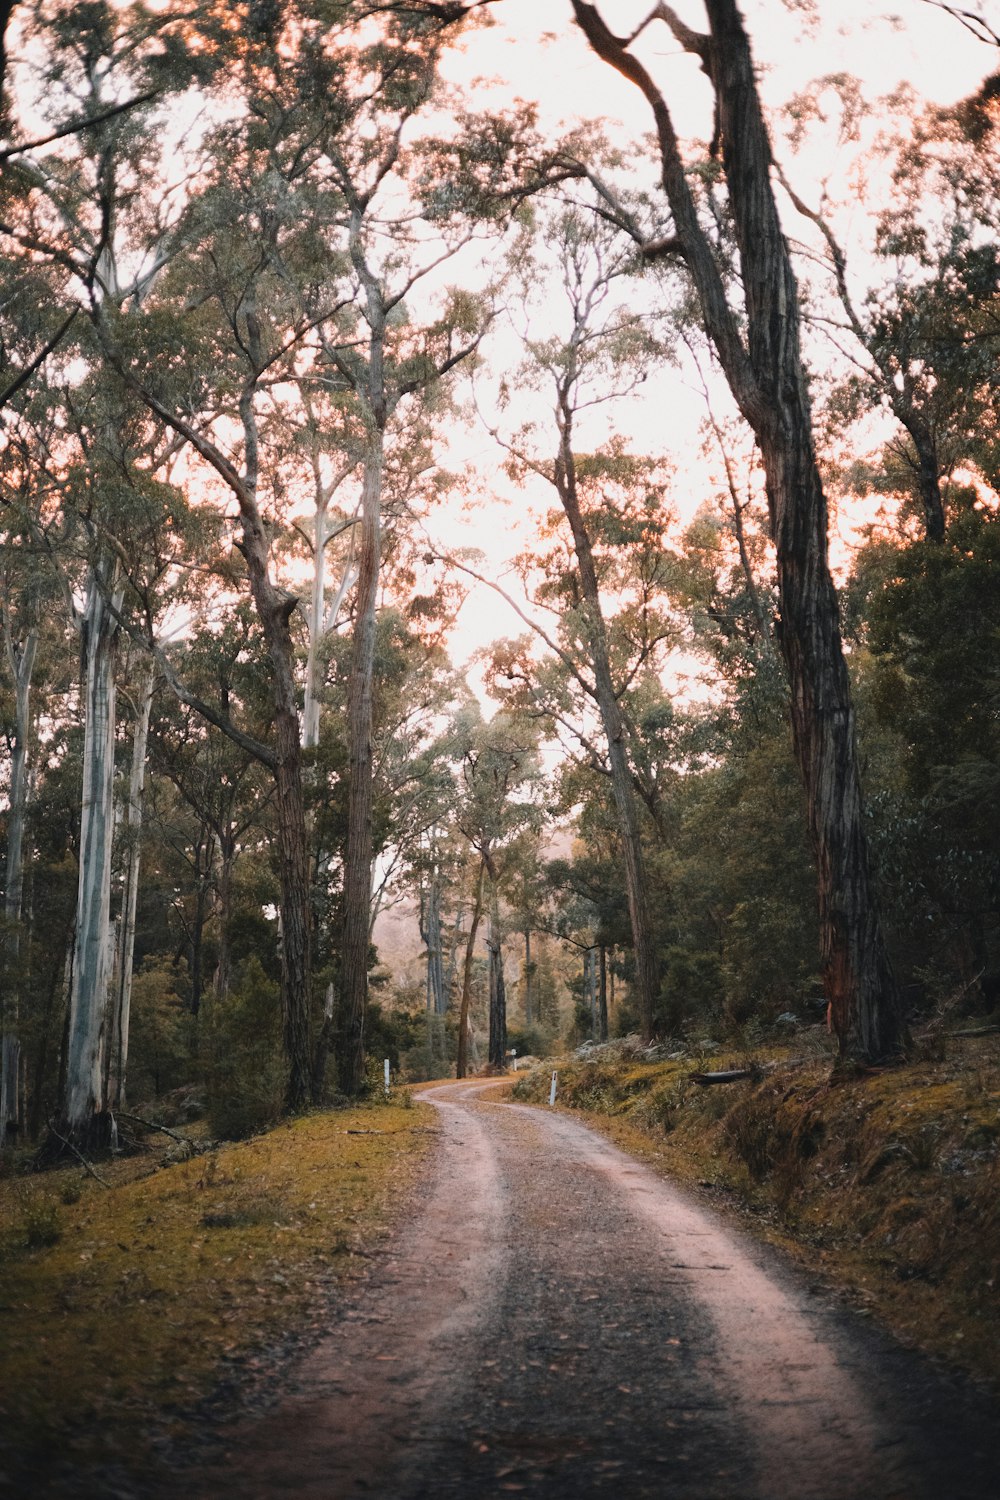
(322, 1049)
(527, 976)
(859, 983)
(498, 995)
(768, 383)
(590, 988)
(223, 911)
(122, 988)
(436, 998)
(84, 1118)
(358, 855)
(462, 1064)
(636, 888)
(317, 610)
(21, 661)
(928, 469)
(201, 914)
(295, 904)
(274, 610)
(602, 1005)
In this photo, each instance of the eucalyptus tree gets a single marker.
(756, 336)
(223, 786)
(392, 360)
(131, 536)
(62, 213)
(78, 68)
(305, 242)
(36, 647)
(498, 805)
(613, 508)
(24, 591)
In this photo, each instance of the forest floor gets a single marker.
(156, 1298)
(884, 1183)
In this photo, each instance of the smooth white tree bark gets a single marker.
(121, 991)
(84, 1101)
(21, 660)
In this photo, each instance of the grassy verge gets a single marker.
(887, 1183)
(122, 1307)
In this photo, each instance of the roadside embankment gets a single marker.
(887, 1182)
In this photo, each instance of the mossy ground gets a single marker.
(887, 1182)
(121, 1307)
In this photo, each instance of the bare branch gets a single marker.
(25, 375)
(77, 126)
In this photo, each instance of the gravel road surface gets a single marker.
(558, 1321)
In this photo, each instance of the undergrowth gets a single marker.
(888, 1181)
(121, 1307)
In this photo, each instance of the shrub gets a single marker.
(246, 1073)
(41, 1224)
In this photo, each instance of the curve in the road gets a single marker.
(557, 1320)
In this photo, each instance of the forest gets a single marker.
(579, 542)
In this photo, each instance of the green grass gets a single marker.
(120, 1305)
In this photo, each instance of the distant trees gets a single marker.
(498, 805)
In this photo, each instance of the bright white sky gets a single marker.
(535, 52)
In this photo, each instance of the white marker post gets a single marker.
(552, 1090)
(514, 1056)
(386, 1073)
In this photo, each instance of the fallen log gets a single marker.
(975, 1031)
(729, 1075)
(154, 1125)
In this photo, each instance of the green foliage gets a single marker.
(40, 1224)
(162, 1033)
(929, 694)
(529, 1041)
(246, 1072)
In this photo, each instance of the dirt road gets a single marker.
(558, 1321)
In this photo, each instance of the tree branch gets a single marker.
(25, 375)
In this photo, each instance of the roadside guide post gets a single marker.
(385, 1070)
(552, 1090)
(513, 1053)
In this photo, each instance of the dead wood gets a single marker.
(185, 1140)
(729, 1075)
(79, 1156)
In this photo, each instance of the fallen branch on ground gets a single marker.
(730, 1075)
(79, 1156)
(152, 1125)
